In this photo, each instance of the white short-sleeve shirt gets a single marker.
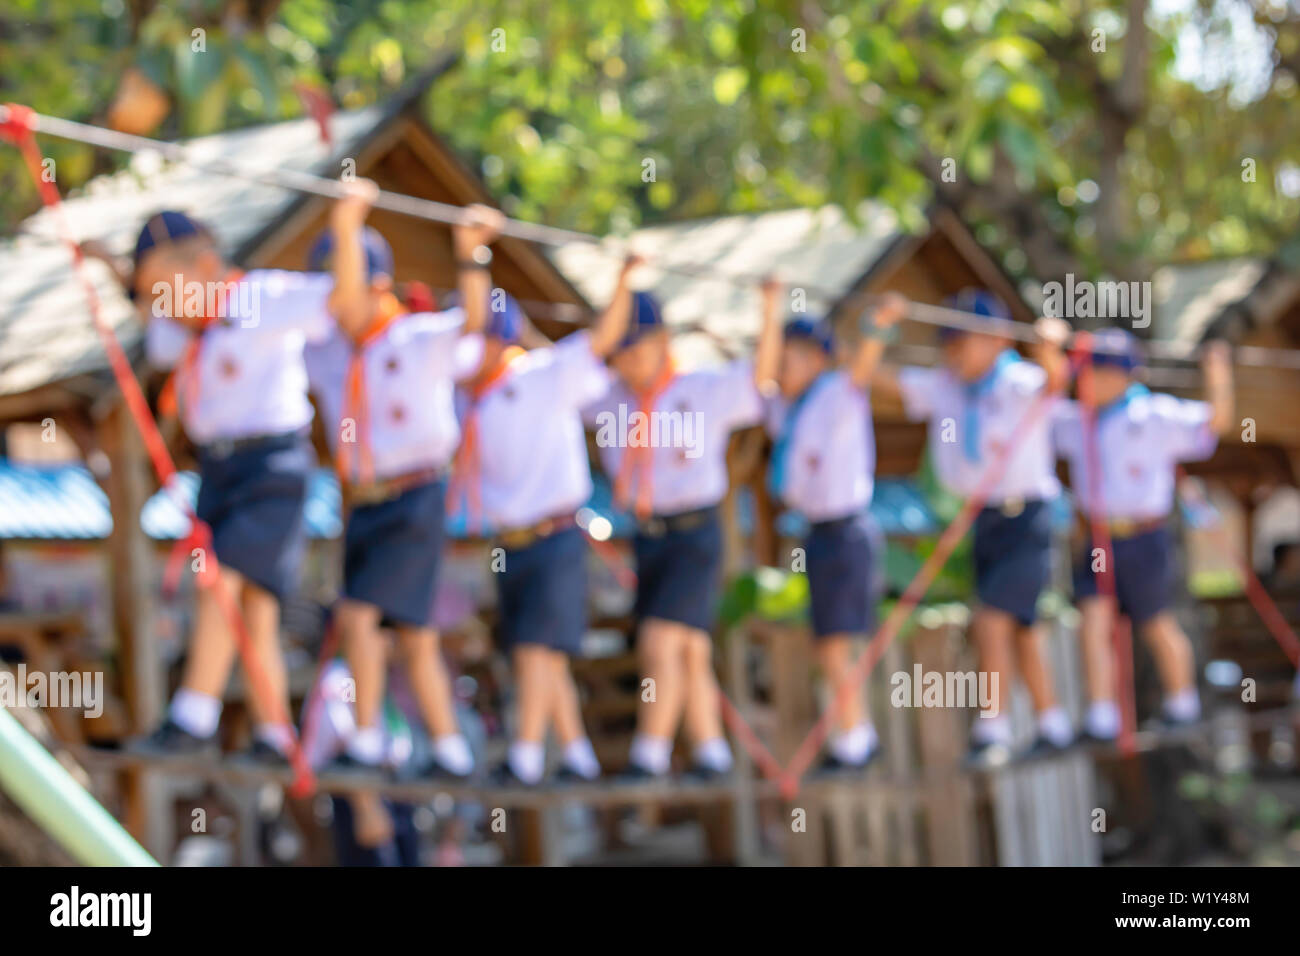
(410, 374)
(830, 456)
(1139, 441)
(691, 423)
(972, 427)
(252, 375)
(532, 449)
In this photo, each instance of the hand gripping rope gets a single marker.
(16, 126)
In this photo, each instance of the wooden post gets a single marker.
(131, 584)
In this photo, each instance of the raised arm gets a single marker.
(611, 325)
(1216, 366)
(1049, 352)
(471, 237)
(876, 327)
(767, 355)
(349, 302)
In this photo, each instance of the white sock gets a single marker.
(195, 713)
(452, 751)
(992, 730)
(1103, 719)
(651, 754)
(1054, 724)
(1183, 706)
(366, 745)
(581, 759)
(279, 736)
(527, 760)
(855, 745)
(713, 755)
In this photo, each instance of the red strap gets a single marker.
(356, 403)
(638, 460)
(466, 471)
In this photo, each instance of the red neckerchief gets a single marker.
(466, 470)
(638, 459)
(187, 369)
(355, 404)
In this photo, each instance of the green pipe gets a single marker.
(59, 805)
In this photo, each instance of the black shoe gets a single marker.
(503, 775)
(1043, 748)
(698, 773)
(433, 771)
(634, 774)
(987, 755)
(264, 755)
(568, 776)
(173, 740)
(344, 764)
(833, 765)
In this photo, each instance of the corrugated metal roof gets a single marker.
(64, 502)
(816, 245)
(1190, 296)
(45, 329)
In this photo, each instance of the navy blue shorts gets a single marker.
(252, 498)
(391, 551)
(1013, 558)
(543, 593)
(843, 581)
(1143, 574)
(677, 573)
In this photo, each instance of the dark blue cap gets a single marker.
(1119, 348)
(977, 302)
(379, 255)
(646, 317)
(505, 318)
(816, 331)
(164, 227)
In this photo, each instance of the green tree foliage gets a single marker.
(1078, 134)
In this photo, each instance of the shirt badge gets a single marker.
(397, 413)
(392, 365)
(228, 367)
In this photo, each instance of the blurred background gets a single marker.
(908, 145)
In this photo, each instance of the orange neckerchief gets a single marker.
(638, 459)
(466, 468)
(187, 369)
(355, 400)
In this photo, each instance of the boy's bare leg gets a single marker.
(576, 754)
(1096, 626)
(660, 649)
(703, 708)
(535, 703)
(993, 632)
(1053, 722)
(433, 694)
(262, 616)
(196, 708)
(363, 647)
(1176, 664)
(212, 649)
(854, 738)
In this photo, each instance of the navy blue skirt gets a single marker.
(1143, 572)
(543, 593)
(677, 574)
(252, 498)
(391, 552)
(1013, 556)
(843, 580)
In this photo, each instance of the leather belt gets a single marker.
(225, 447)
(387, 489)
(516, 539)
(1011, 507)
(656, 526)
(1131, 527)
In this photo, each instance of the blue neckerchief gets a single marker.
(1136, 390)
(970, 434)
(781, 450)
